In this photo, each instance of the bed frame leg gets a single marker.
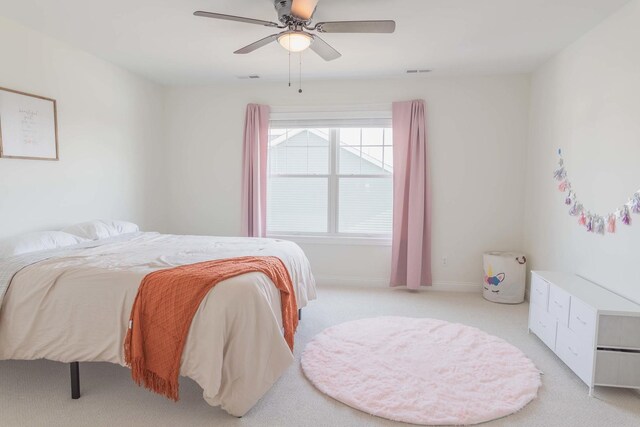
(299, 314)
(75, 380)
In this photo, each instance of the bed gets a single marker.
(73, 304)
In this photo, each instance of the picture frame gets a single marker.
(28, 126)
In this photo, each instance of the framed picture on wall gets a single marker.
(28, 126)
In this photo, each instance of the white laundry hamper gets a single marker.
(504, 277)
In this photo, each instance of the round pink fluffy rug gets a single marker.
(421, 371)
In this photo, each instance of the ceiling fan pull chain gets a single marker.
(300, 75)
(289, 68)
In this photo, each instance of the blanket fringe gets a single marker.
(127, 349)
(152, 381)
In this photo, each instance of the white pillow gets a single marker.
(38, 241)
(101, 229)
(122, 227)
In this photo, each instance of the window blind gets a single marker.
(376, 116)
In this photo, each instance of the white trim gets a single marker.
(373, 115)
(346, 110)
(360, 282)
(334, 189)
(334, 240)
(452, 286)
(377, 282)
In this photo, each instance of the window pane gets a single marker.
(388, 159)
(388, 136)
(318, 137)
(296, 160)
(371, 160)
(349, 159)
(349, 151)
(362, 151)
(277, 161)
(365, 205)
(275, 133)
(297, 204)
(299, 151)
(318, 160)
(350, 137)
(372, 136)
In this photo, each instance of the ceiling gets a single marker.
(163, 41)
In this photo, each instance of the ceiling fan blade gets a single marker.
(235, 18)
(257, 45)
(323, 49)
(356, 27)
(304, 9)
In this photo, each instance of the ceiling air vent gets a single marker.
(251, 77)
(418, 71)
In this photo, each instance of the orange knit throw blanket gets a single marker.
(165, 305)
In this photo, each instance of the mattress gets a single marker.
(73, 304)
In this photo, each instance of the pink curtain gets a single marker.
(411, 245)
(254, 178)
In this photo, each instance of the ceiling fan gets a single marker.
(296, 18)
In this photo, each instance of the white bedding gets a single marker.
(75, 306)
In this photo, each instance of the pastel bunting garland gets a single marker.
(594, 223)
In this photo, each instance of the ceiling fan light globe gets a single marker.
(295, 41)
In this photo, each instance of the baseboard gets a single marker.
(361, 282)
(376, 282)
(456, 286)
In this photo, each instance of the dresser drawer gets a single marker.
(559, 302)
(539, 291)
(582, 320)
(543, 325)
(576, 352)
(617, 368)
(619, 332)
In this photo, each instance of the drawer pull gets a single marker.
(571, 350)
(542, 324)
(580, 320)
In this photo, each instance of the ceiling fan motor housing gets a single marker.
(283, 7)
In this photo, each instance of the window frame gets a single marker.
(333, 236)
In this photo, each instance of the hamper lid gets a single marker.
(505, 254)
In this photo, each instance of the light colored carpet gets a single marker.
(37, 393)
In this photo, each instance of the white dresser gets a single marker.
(594, 331)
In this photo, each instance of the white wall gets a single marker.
(587, 101)
(110, 137)
(477, 129)
(171, 159)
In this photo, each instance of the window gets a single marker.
(331, 181)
